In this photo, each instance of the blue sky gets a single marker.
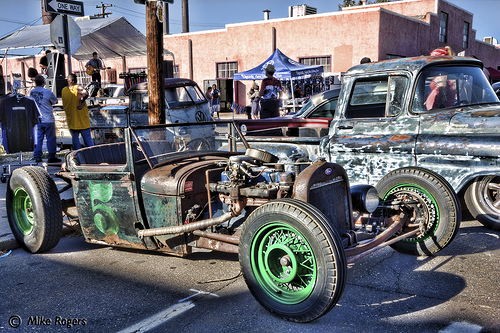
(214, 14)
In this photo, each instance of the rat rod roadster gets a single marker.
(172, 188)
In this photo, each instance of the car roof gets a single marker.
(169, 84)
(325, 95)
(413, 64)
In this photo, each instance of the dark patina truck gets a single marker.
(435, 113)
(175, 188)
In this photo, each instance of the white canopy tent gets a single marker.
(109, 37)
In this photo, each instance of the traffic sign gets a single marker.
(68, 7)
(57, 35)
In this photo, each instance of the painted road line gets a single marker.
(159, 318)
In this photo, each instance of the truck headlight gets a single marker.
(364, 198)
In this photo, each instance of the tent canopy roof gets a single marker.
(109, 37)
(285, 68)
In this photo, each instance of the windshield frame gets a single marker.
(174, 136)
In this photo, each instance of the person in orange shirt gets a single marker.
(77, 114)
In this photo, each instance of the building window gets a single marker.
(443, 27)
(226, 70)
(316, 61)
(465, 43)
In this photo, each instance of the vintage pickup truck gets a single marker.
(436, 113)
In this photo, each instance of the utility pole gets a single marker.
(103, 8)
(156, 81)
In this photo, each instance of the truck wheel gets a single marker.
(292, 260)
(482, 199)
(34, 209)
(434, 203)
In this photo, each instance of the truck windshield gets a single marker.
(453, 86)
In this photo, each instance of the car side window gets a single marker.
(378, 98)
(397, 89)
(368, 99)
(326, 110)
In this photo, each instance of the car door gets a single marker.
(372, 133)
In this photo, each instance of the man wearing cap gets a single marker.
(44, 99)
(270, 92)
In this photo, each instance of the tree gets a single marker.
(351, 3)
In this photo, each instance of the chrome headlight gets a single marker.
(364, 198)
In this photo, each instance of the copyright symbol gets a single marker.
(15, 321)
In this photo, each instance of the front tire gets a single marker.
(482, 198)
(34, 209)
(434, 203)
(292, 260)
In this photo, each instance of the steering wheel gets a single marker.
(195, 144)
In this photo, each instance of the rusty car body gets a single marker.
(384, 121)
(168, 188)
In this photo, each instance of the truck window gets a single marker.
(368, 99)
(139, 101)
(444, 87)
(397, 89)
(371, 99)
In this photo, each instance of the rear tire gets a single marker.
(435, 203)
(482, 198)
(292, 260)
(34, 209)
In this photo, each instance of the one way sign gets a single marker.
(68, 7)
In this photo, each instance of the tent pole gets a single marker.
(5, 80)
(293, 95)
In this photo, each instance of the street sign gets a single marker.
(57, 35)
(68, 7)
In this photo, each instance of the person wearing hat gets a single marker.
(44, 99)
(270, 92)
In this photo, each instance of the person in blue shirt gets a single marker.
(44, 99)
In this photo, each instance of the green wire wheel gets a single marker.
(34, 208)
(292, 260)
(431, 203)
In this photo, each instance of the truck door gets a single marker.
(374, 133)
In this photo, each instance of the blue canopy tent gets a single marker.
(285, 67)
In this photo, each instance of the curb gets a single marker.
(8, 242)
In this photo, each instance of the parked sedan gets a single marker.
(321, 105)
